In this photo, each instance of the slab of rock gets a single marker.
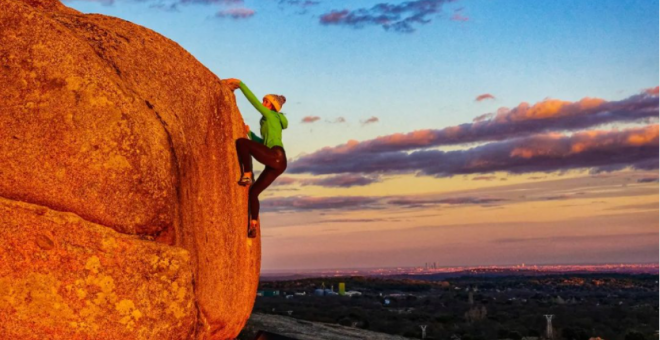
(305, 330)
(121, 126)
(64, 277)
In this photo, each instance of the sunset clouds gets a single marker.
(600, 150)
(523, 120)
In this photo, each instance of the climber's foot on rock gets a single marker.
(246, 179)
(252, 229)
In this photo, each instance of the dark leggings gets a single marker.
(273, 158)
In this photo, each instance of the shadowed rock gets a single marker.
(119, 125)
(304, 330)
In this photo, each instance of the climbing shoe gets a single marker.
(252, 229)
(246, 179)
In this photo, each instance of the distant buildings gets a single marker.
(476, 314)
(268, 292)
(353, 293)
(331, 292)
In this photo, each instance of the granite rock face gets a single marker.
(61, 275)
(122, 127)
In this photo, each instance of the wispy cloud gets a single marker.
(233, 9)
(317, 203)
(484, 178)
(402, 17)
(102, 2)
(236, 13)
(342, 181)
(449, 201)
(339, 120)
(459, 17)
(484, 97)
(499, 196)
(370, 120)
(310, 119)
(301, 6)
(284, 180)
(349, 203)
(202, 2)
(598, 150)
(574, 238)
(358, 220)
(338, 181)
(299, 3)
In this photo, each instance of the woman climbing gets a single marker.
(268, 150)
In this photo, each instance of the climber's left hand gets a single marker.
(232, 83)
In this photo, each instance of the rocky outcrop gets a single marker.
(120, 126)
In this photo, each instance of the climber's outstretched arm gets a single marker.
(254, 101)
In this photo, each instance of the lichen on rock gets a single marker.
(81, 289)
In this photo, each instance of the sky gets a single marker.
(491, 132)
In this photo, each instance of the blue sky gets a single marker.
(519, 51)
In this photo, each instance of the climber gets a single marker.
(268, 150)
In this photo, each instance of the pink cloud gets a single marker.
(236, 13)
(652, 91)
(459, 17)
(310, 119)
(484, 97)
(371, 120)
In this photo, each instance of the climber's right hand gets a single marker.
(232, 83)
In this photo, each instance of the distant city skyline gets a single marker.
(463, 132)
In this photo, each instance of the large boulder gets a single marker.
(120, 126)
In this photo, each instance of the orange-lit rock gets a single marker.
(64, 277)
(119, 125)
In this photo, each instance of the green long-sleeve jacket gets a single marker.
(272, 122)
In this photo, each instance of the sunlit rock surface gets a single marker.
(120, 126)
(60, 274)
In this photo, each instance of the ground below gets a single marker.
(305, 330)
